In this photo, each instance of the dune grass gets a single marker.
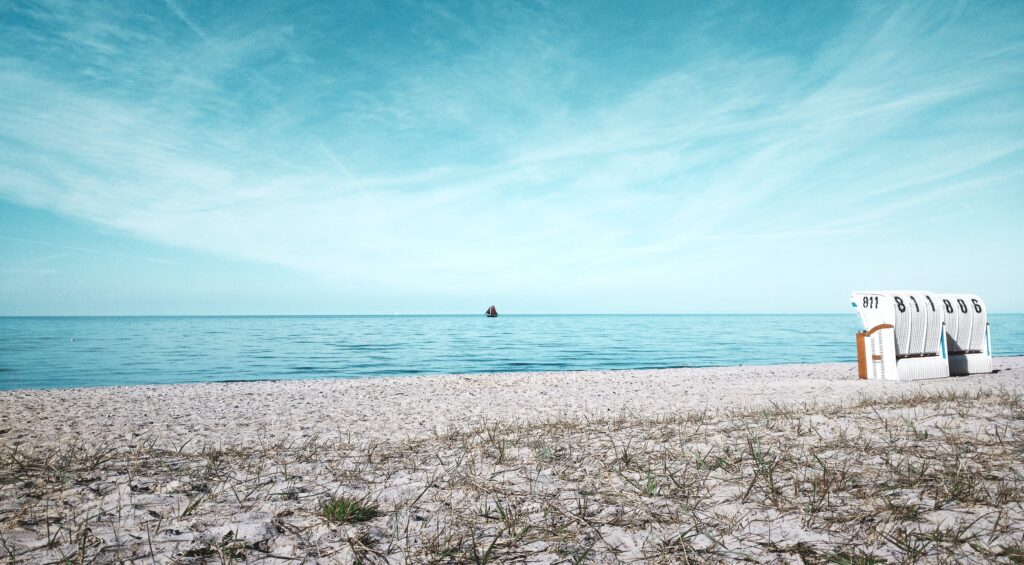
(348, 510)
(899, 479)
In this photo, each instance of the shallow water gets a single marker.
(64, 352)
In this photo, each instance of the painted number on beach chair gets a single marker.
(977, 305)
(870, 302)
(900, 304)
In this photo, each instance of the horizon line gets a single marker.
(427, 315)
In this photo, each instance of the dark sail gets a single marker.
(492, 312)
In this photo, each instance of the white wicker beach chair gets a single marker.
(903, 337)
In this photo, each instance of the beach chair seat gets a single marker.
(968, 335)
(903, 337)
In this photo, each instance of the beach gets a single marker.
(551, 283)
(772, 463)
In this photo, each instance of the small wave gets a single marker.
(254, 380)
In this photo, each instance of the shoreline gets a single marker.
(498, 374)
(417, 405)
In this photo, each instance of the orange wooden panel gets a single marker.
(862, 358)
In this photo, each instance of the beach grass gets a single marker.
(348, 510)
(930, 475)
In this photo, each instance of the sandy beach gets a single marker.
(787, 462)
(404, 407)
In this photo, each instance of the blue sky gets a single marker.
(176, 157)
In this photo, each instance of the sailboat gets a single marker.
(492, 312)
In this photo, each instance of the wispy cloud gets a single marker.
(511, 156)
(85, 249)
(180, 14)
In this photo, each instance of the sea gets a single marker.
(103, 351)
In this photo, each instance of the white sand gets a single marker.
(96, 473)
(400, 407)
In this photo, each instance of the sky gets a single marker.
(173, 157)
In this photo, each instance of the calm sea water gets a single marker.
(66, 352)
